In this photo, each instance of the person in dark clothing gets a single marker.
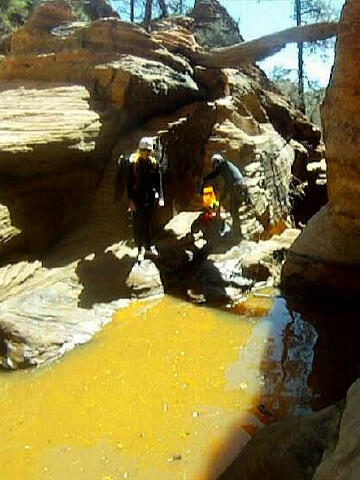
(235, 187)
(145, 195)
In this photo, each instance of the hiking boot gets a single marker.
(141, 255)
(152, 251)
(225, 228)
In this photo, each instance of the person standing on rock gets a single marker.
(235, 187)
(144, 191)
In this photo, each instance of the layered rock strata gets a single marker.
(327, 253)
(75, 96)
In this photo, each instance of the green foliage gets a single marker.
(315, 11)
(13, 14)
(313, 100)
(175, 7)
(314, 93)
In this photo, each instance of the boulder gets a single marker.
(213, 26)
(288, 449)
(40, 317)
(342, 462)
(326, 255)
(144, 280)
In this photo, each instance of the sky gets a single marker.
(262, 17)
(257, 18)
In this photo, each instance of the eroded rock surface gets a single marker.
(343, 461)
(50, 118)
(288, 449)
(45, 310)
(75, 96)
(326, 254)
(40, 317)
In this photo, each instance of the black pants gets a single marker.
(142, 219)
(238, 196)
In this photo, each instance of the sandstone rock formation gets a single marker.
(213, 26)
(74, 96)
(40, 317)
(327, 254)
(288, 449)
(343, 462)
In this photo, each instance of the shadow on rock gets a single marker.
(83, 241)
(290, 449)
(208, 285)
(184, 266)
(337, 348)
(104, 278)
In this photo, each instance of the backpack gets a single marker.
(122, 169)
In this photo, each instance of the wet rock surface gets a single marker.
(288, 449)
(342, 462)
(40, 317)
(47, 310)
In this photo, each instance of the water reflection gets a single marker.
(167, 390)
(283, 365)
(336, 363)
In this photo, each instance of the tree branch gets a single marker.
(254, 50)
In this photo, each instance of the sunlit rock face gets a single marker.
(327, 253)
(74, 91)
(74, 96)
(253, 125)
(67, 90)
(48, 155)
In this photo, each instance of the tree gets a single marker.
(313, 95)
(148, 14)
(145, 10)
(306, 11)
(164, 8)
(254, 50)
(245, 52)
(13, 13)
(300, 45)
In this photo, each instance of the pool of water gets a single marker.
(168, 390)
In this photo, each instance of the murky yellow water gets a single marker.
(167, 391)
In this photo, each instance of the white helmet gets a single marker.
(216, 158)
(146, 143)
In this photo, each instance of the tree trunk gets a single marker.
(163, 8)
(300, 46)
(254, 50)
(132, 10)
(148, 14)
